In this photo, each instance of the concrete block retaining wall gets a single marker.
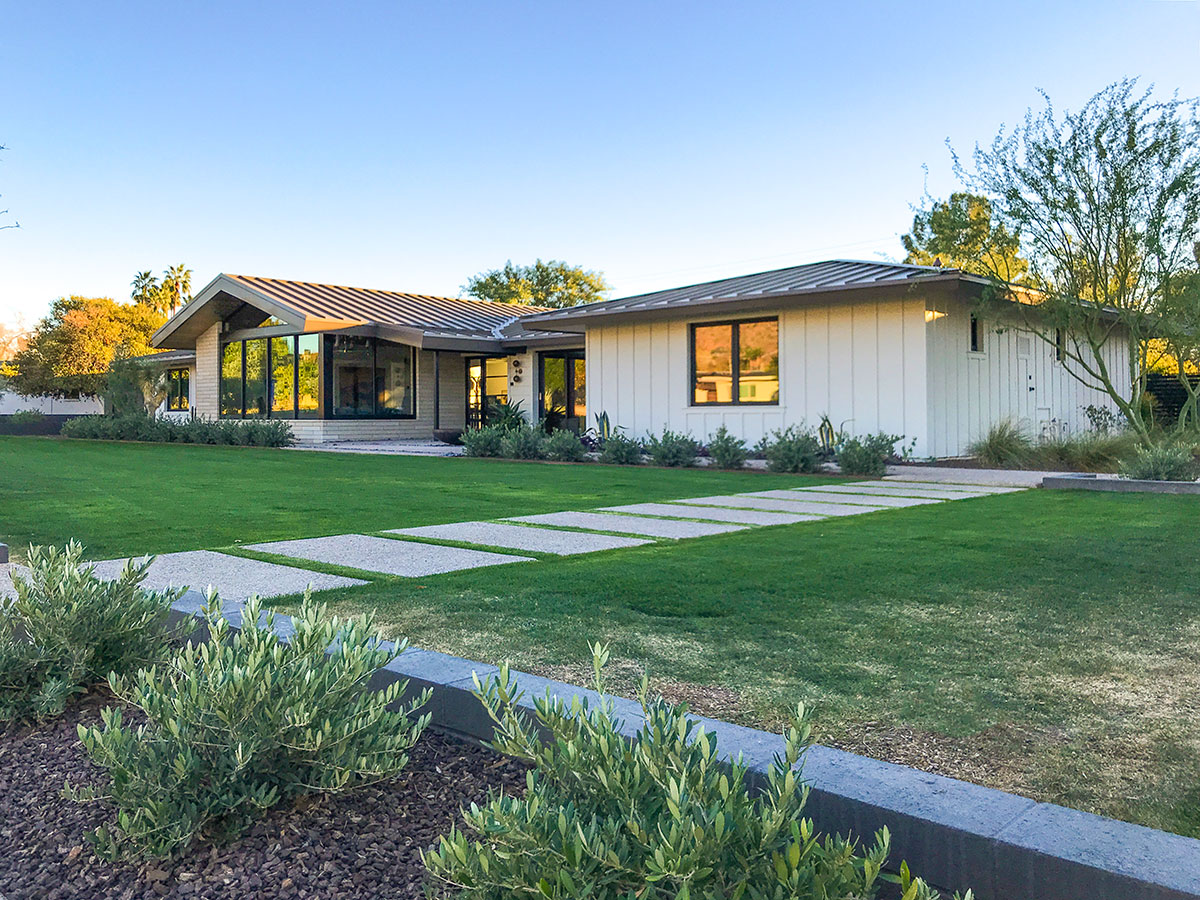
(1119, 485)
(954, 834)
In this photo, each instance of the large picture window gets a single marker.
(735, 362)
(280, 377)
(178, 384)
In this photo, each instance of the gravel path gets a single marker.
(353, 847)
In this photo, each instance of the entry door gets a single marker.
(487, 386)
(1026, 393)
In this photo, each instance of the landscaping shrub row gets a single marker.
(243, 721)
(137, 427)
(1104, 449)
(792, 449)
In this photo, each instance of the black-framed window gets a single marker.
(178, 389)
(487, 387)
(281, 377)
(1060, 344)
(562, 387)
(735, 362)
(976, 335)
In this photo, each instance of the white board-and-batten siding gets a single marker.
(862, 363)
(1014, 377)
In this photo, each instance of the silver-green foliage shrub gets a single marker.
(792, 449)
(659, 816)
(1163, 462)
(483, 441)
(67, 630)
(244, 721)
(621, 450)
(866, 455)
(565, 446)
(727, 451)
(523, 442)
(672, 448)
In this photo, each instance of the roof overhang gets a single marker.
(579, 319)
(222, 300)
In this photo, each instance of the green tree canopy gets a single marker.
(167, 295)
(554, 284)
(70, 351)
(960, 233)
(1106, 202)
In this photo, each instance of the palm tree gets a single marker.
(176, 287)
(147, 291)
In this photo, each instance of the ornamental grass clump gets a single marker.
(67, 630)
(658, 816)
(672, 448)
(244, 721)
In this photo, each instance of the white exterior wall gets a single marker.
(971, 392)
(12, 402)
(862, 363)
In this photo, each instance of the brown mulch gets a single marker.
(364, 844)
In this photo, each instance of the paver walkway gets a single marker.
(811, 495)
(521, 537)
(666, 528)
(746, 501)
(563, 533)
(233, 577)
(711, 513)
(385, 555)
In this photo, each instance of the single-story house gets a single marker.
(875, 346)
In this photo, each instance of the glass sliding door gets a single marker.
(283, 377)
(353, 375)
(394, 379)
(308, 376)
(563, 390)
(256, 378)
(231, 379)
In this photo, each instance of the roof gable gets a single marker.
(308, 307)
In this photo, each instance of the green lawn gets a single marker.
(1042, 642)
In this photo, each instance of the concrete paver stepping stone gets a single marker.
(942, 486)
(712, 513)
(522, 537)
(886, 490)
(810, 495)
(629, 524)
(233, 577)
(391, 557)
(745, 501)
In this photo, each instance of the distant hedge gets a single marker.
(241, 432)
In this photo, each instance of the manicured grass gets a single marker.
(1042, 642)
(153, 498)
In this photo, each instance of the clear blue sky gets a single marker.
(409, 145)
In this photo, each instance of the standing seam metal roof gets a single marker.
(812, 277)
(448, 315)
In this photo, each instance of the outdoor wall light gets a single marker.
(516, 379)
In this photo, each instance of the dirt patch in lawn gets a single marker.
(360, 845)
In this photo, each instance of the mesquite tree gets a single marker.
(1106, 204)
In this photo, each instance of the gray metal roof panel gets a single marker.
(831, 275)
